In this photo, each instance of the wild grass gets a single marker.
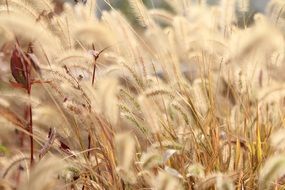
(189, 98)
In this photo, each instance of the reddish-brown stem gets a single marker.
(29, 88)
(96, 56)
(93, 80)
(93, 75)
(21, 65)
(31, 134)
(89, 145)
(94, 67)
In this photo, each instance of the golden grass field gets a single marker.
(189, 97)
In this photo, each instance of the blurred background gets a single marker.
(122, 5)
(256, 5)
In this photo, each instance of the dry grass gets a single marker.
(191, 99)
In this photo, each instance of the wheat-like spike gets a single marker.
(43, 176)
(195, 170)
(228, 15)
(165, 180)
(90, 8)
(124, 34)
(134, 75)
(72, 56)
(140, 12)
(60, 26)
(222, 181)
(107, 91)
(42, 5)
(179, 6)
(134, 120)
(125, 108)
(275, 10)
(161, 15)
(277, 140)
(151, 159)
(54, 86)
(167, 144)
(173, 4)
(12, 117)
(243, 5)
(87, 33)
(58, 73)
(271, 171)
(182, 111)
(207, 182)
(125, 151)
(130, 97)
(74, 107)
(150, 116)
(20, 7)
(13, 161)
(160, 90)
(77, 67)
(23, 98)
(21, 29)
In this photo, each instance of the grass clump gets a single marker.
(191, 99)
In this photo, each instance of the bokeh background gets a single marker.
(256, 5)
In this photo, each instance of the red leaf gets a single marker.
(19, 67)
